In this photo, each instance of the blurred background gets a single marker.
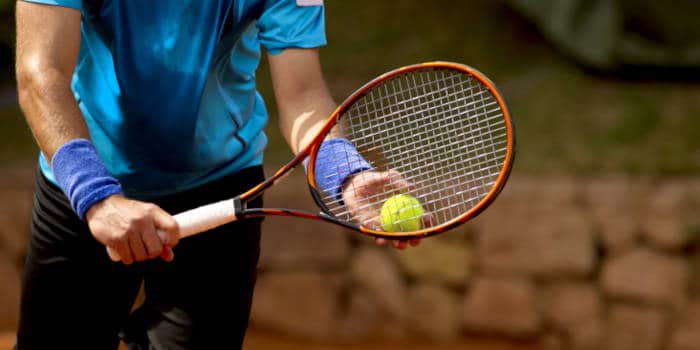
(593, 243)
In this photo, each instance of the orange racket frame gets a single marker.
(312, 148)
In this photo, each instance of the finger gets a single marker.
(168, 228)
(167, 254)
(380, 241)
(427, 220)
(137, 248)
(153, 245)
(398, 244)
(123, 251)
(373, 223)
(367, 184)
(414, 242)
(397, 181)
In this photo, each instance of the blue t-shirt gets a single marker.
(167, 88)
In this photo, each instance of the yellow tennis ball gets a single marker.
(402, 213)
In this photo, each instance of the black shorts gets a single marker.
(75, 297)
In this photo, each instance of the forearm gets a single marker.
(300, 125)
(50, 109)
(60, 131)
(48, 42)
(303, 100)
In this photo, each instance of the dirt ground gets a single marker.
(257, 340)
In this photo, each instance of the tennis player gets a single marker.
(141, 109)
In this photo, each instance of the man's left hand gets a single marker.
(366, 184)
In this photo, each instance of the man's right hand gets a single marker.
(129, 228)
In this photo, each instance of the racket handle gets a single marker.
(197, 220)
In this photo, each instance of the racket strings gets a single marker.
(438, 102)
(404, 114)
(443, 131)
(426, 133)
(457, 189)
(406, 154)
(436, 143)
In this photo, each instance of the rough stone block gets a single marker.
(635, 328)
(373, 270)
(297, 303)
(294, 243)
(547, 246)
(433, 313)
(502, 306)
(648, 276)
(445, 261)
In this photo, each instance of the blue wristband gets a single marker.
(82, 175)
(336, 160)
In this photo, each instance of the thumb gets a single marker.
(397, 181)
(168, 228)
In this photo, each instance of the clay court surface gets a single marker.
(260, 340)
(257, 340)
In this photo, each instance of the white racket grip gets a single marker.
(206, 217)
(198, 220)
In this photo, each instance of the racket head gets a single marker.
(443, 126)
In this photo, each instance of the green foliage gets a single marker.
(612, 34)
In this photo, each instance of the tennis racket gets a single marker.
(442, 127)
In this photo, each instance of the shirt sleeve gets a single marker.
(292, 23)
(74, 4)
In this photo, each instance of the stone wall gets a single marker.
(606, 263)
(15, 205)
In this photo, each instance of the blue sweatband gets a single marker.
(336, 160)
(82, 175)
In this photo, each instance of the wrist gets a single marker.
(82, 176)
(99, 206)
(337, 160)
